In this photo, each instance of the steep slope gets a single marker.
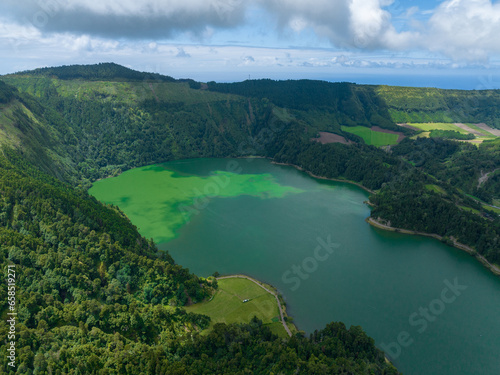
(113, 123)
(94, 297)
(416, 104)
(40, 142)
(124, 124)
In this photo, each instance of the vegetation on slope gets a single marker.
(95, 297)
(462, 165)
(418, 104)
(348, 103)
(103, 128)
(102, 71)
(92, 295)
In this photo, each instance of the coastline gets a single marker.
(493, 268)
(271, 290)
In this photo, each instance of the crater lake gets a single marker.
(432, 308)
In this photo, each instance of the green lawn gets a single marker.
(227, 305)
(372, 137)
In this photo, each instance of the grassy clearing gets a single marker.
(427, 127)
(435, 188)
(372, 137)
(227, 305)
(473, 210)
(490, 208)
(421, 135)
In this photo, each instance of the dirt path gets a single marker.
(153, 91)
(468, 129)
(495, 132)
(267, 290)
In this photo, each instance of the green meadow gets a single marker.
(171, 199)
(427, 127)
(227, 305)
(372, 137)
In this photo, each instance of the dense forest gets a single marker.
(94, 294)
(95, 297)
(418, 104)
(102, 71)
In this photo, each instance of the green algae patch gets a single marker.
(159, 201)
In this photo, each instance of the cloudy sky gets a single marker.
(451, 43)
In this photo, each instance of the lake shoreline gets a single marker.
(282, 308)
(322, 177)
(491, 267)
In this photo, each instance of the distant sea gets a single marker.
(443, 79)
(461, 82)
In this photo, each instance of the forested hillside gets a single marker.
(100, 128)
(94, 294)
(103, 71)
(416, 104)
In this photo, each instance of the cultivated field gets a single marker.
(482, 132)
(325, 137)
(373, 137)
(427, 127)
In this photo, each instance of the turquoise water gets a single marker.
(433, 308)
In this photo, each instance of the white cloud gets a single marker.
(464, 30)
(126, 18)
(362, 24)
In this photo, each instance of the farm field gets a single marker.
(427, 127)
(372, 137)
(227, 305)
(480, 134)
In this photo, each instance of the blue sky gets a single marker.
(450, 44)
